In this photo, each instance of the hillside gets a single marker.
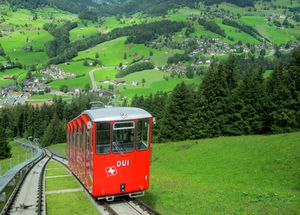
(247, 174)
(200, 35)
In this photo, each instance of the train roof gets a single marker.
(116, 114)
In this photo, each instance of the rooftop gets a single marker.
(116, 114)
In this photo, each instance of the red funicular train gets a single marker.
(108, 149)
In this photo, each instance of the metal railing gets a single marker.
(9, 176)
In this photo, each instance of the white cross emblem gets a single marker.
(111, 171)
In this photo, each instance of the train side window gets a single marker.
(103, 138)
(142, 134)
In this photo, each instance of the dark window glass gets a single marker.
(123, 137)
(103, 138)
(124, 125)
(142, 134)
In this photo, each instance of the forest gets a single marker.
(110, 7)
(229, 102)
(212, 26)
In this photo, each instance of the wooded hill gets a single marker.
(113, 7)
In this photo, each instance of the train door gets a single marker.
(88, 163)
(84, 151)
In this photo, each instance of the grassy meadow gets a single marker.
(154, 82)
(58, 149)
(65, 203)
(112, 53)
(226, 175)
(19, 155)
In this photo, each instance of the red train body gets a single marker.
(109, 149)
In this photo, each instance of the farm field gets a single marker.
(19, 155)
(76, 67)
(274, 34)
(65, 202)
(47, 97)
(154, 82)
(112, 53)
(16, 73)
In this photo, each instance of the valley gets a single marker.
(267, 30)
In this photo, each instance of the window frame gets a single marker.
(123, 128)
(110, 138)
(148, 135)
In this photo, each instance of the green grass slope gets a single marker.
(232, 175)
(227, 175)
(58, 149)
(18, 155)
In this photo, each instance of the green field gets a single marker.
(227, 175)
(58, 149)
(65, 203)
(79, 82)
(47, 97)
(154, 82)
(15, 73)
(274, 34)
(105, 74)
(112, 53)
(19, 155)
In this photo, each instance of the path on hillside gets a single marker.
(92, 78)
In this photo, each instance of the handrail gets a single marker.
(9, 176)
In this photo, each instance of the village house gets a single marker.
(57, 73)
(118, 82)
(107, 94)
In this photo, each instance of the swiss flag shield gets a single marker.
(111, 171)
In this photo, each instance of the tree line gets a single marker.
(245, 28)
(89, 9)
(136, 67)
(62, 38)
(229, 101)
(46, 122)
(212, 26)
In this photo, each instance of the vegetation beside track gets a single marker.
(230, 175)
(65, 202)
(247, 174)
(18, 155)
(58, 149)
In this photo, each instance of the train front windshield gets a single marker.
(122, 137)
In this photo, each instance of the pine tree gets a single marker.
(2, 53)
(284, 95)
(252, 99)
(4, 146)
(55, 132)
(211, 110)
(178, 110)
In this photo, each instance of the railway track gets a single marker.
(29, 196)
(123, 206)
(128, 207)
